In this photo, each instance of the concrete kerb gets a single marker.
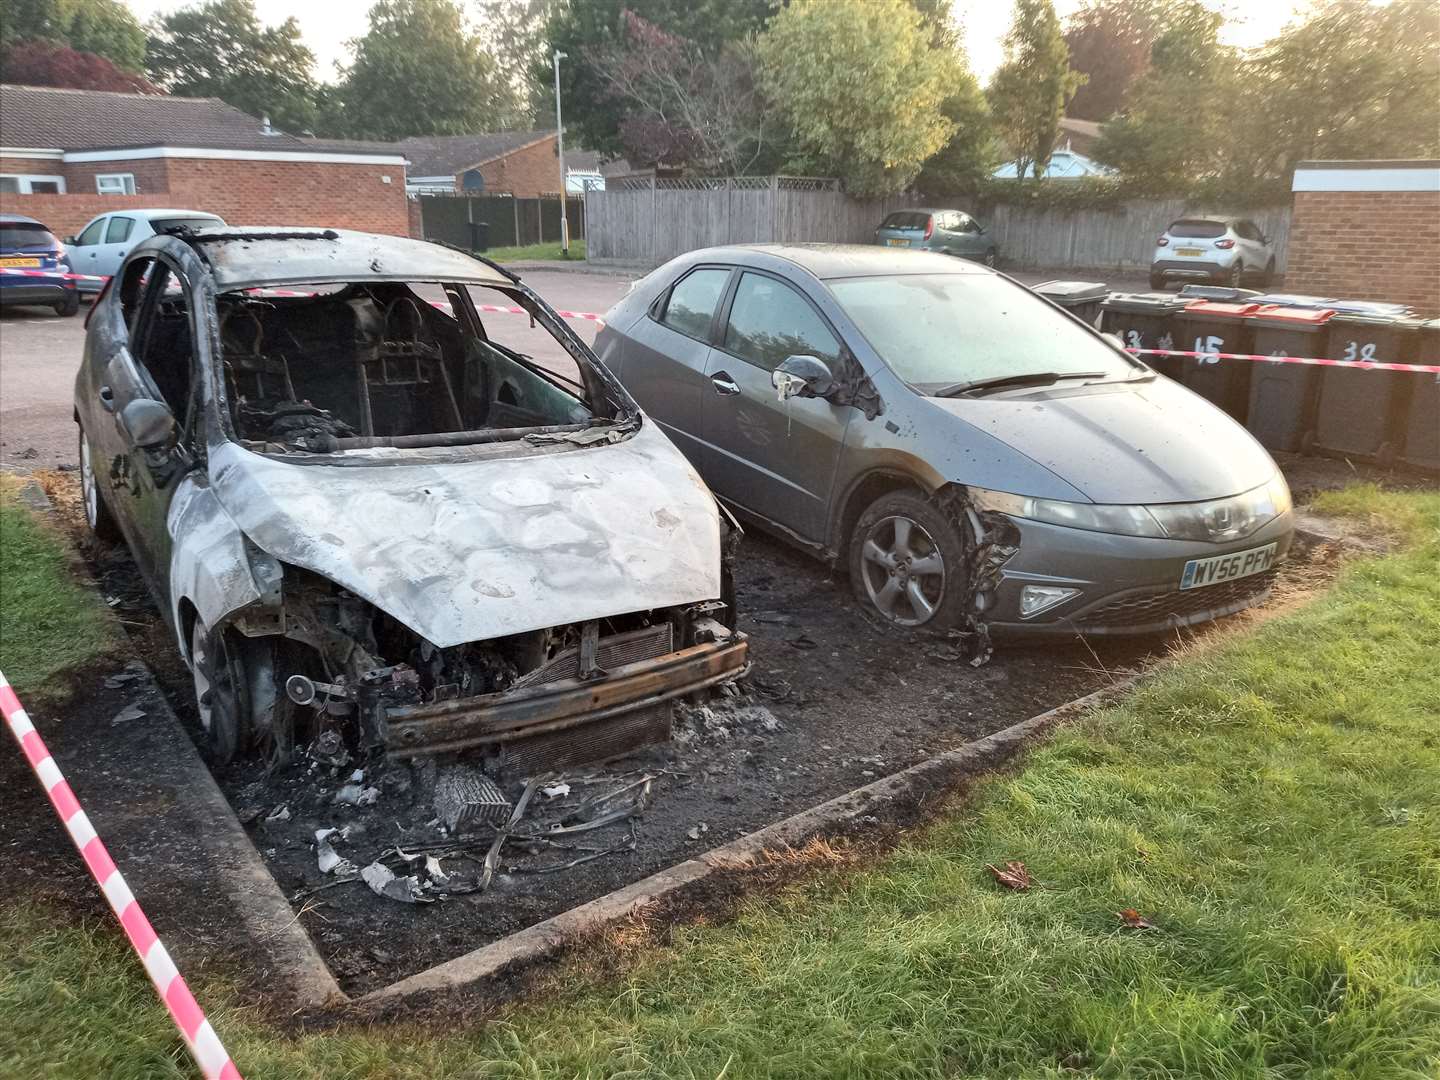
(286, 951)
(546, 940)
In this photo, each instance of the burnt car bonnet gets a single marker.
(1152, 442)
(471, 550)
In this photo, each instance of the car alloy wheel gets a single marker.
(1237, 274)
(220, 698)
(97, 514)
(991, 258)
(904, 571)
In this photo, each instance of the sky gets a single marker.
(326, 25)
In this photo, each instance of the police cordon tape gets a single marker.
(1204, 357)
(200, 1038)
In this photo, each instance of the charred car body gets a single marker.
(363, 512)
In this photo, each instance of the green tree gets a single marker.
(860, 89)
(1351, 81)
(421, 70)
(1030, 90)
(1109, 42)
(1176, 127)
(513, 33)
(221, 49)
(104, 27)
(590, 32)
(970, 155)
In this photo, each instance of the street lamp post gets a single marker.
(560, 148)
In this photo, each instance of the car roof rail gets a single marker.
(477, 257)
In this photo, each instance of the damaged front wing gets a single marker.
(502, 719)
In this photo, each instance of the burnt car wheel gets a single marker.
(907, 562)
(221, 695)
(97, 514)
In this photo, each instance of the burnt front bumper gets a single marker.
(567, 705)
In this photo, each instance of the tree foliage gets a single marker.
(221, 49)
(593, 29)
(970, 155)
(860, 89)
(1030, 90)
(45, 63)
(513, 34)
(1109, 42)
(421, 70)
(684, 107)
(103, 27)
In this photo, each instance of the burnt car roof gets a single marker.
(244, 256)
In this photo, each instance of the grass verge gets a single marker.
(1271, 806)
(537, 252)
(48, 623)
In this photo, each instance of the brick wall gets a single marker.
(1367, 245)
(245, 193)
(152, 175)
(32, 166)
(417, 220)
(527, 173)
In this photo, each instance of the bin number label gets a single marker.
(1209, 348)
(1356, 351)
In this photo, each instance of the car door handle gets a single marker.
(107, 399)
(724, 384)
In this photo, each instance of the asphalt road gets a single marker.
(40, 352)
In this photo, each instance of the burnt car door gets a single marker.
(151, 395)
(775, 458)
(667, 355)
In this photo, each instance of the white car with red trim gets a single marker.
(1230, 250)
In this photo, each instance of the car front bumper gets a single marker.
(1128, 584)
(554, 709)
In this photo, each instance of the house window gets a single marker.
(115, 183)
(19, 184)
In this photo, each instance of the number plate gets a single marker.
(897, 243)
(1201, 572)
(1189, 253)
(19, 262)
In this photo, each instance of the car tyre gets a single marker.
(992, 258)
(1269, 276)
(1236, 277)
(222, 695)
(97, 514)
(1157, 281)
(907, 563)
(69, 306)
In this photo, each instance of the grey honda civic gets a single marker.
(972, 455)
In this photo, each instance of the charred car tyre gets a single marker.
(907, 562)
(221, 693)
(97, 515)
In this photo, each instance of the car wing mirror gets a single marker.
(148, 424)
(68, 240)
(802, 375)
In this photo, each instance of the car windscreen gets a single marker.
(23, 234)
(1197, 230)
(906, 219)
(940, 330)
(161, 224)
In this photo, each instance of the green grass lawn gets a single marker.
(47, 622)
(537, 251)
(1271, 805)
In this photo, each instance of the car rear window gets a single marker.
(1196, 229)
(161, 224)
(906, 219)
(22, 234)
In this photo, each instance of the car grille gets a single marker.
(1160, 607)
(611, 652)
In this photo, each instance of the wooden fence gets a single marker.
(643, 220)
(646, 221)
(452, 217)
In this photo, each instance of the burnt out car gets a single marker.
(366, 510)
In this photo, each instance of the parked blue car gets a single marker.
(26, 244)
(950, 232)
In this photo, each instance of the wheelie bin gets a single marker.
(1422, 427)
(1227, 293)
(1361, 413)
(1283, 396)
(1145, 321)
(1081, 298)
(1212, 326)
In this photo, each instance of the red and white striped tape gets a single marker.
(1320, 361)
(63, 274)
(200, 1038)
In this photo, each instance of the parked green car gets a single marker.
(950, 232)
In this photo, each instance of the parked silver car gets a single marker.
(972, 454)
(362, 508)
(1224, 249)
(101, 246)
(950, 232)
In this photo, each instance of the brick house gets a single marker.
(68, 155)
(1367, 230)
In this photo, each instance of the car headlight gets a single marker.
(1217, 520)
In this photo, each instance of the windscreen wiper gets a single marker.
(1003, 382)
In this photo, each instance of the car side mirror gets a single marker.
(68, 240)
(148, 424)
(802, 376)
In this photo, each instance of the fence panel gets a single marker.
(448, 217)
